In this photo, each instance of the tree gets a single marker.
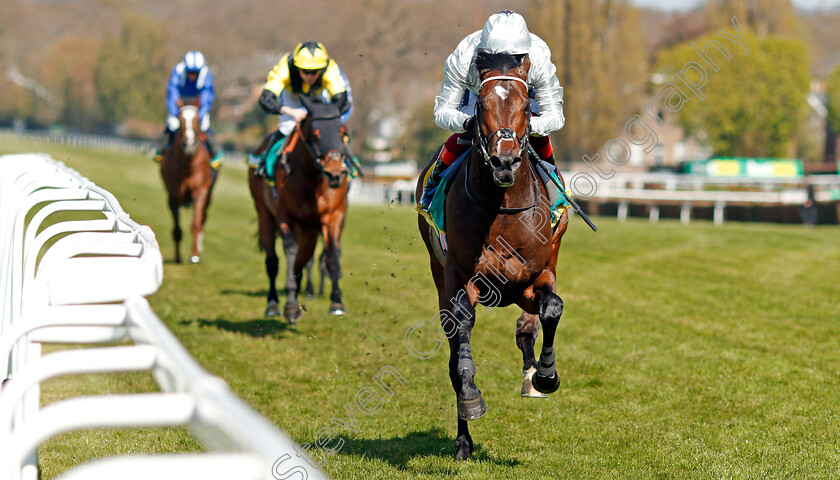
(70, 65)
(754, 104)
(764, 17)
(832, 92)
(131, 74)
(601, 62)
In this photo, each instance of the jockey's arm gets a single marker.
(342, 101)
(447, 113)
(173, 94)
(549, 96)
(547, 89)
(207, 95)
(277, 80)
(270, 103)
(338, 88)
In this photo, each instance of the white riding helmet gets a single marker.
(194, 61)
(505, 32)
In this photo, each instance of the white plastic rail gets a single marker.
(83, 282)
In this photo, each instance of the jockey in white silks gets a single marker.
(504, 32)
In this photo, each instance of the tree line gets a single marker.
(605, 53)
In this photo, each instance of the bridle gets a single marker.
(315, 149)
(480, 142)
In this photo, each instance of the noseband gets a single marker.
(480, 142)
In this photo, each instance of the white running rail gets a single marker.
(83, 282)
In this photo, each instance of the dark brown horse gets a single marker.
(309, 199)
(189, 179)
(502, 249)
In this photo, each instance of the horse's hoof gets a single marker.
(471, 409)
(546, 384)
(272, 309)
(337, 309)
(464, 449)
(292, 313)
(528, 389)
(194, 259)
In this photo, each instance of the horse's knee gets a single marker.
(290, 244)
(527, 324)
(551, 308)
(333, 263)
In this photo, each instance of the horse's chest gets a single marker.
(503, 263)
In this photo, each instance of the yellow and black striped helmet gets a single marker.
(310, 56)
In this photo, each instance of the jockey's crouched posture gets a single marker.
(504, 32)
(190, 80)
(307, 70)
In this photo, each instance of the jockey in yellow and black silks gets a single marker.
(307, 70)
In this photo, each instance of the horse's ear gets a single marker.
(306, 102)
(524, 63)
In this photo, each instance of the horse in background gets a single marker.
(189, 179)
(309, 200)
(502, 248)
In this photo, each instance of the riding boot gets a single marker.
(163, 144)
(351, 160)
(264, 169)
(432, 182)
(215, 149)
(550, 159)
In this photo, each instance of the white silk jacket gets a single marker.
(460, 74)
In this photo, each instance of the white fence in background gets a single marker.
(83, 282)
(655, 190)
(625, 189)
(103, 142)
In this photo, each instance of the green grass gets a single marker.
(686, 351)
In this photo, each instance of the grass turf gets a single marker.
(686, 351)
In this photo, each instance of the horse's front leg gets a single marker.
(268, 237)
(527, 328)
(291, 311)
(200, 201)
(541, 297)
(457, 323)
(175, 207)
(332, 249)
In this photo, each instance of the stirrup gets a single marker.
(216, 162)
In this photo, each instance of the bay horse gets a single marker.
(309, 199)
(502, 249)
(189, 179)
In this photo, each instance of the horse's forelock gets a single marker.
(486, 61)
(322, 110)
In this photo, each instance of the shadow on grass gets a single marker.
(258, 328)
(262, 293)
(431, 443)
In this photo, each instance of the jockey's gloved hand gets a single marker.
(469, 124)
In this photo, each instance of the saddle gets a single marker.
(546, 171)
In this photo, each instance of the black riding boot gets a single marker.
(431, 184)
(163, 143)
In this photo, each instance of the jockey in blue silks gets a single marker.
(191, 80)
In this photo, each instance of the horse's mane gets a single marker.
(487, 61)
